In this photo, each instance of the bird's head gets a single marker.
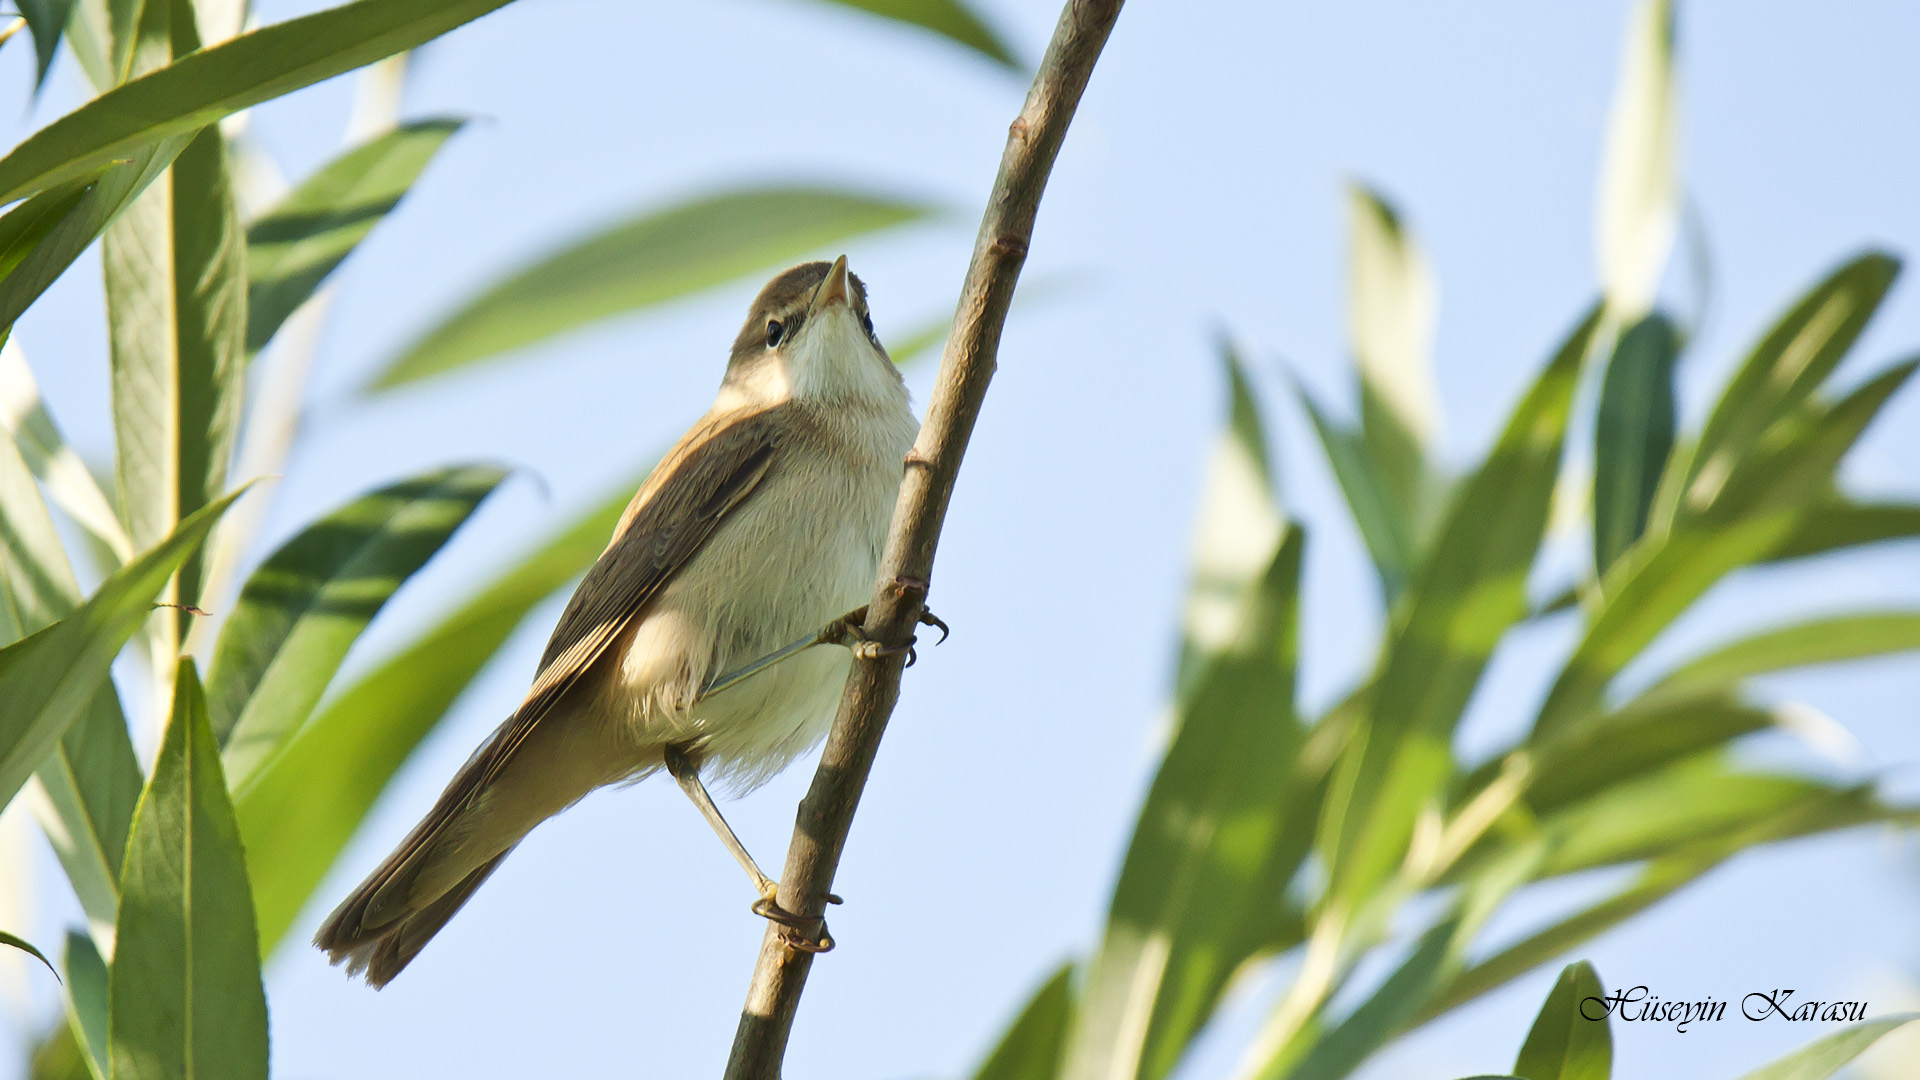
(810, 335)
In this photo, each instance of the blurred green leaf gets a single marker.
(1841, 523)
(1783, 370)
(1384, 528)
(214, 82)
(1826, 1056)
(1237, 532)
(299, 811)
(294, 246)
(69, 482)
(1633, 434)
(1381, 1015)
(48, 679)
(1565, 1043)
(649, 260)
(1032, 1047)
(1818, 641)
(308, 603)
(951, 19)
(87, 1000)
(1471, 588)
(1642, 594)
(58, 1057)
(47, 22)
(1603, 751)
(1640, 173)
(1188, 887)
(1391, 304)
(175, 265)
(91, 778)
(185, 997)
(14, 941)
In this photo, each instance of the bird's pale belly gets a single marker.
(776, 572)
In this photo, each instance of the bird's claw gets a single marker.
(793, 928)
(850, 630)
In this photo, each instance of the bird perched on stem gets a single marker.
(686, 646)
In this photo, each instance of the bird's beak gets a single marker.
(831, 291)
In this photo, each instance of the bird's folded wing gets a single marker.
(709, 474)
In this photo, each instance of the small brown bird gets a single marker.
(685, 646)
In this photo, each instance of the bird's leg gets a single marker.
(845, 630)
(685, 770)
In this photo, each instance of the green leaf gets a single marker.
(294, 246)
(1032, 1046)
(1471, 588)
(1641, 596)
(91, 778)
(59, 1057)
(306, 605)
(185, 997)
(45, 234)
(14, 941)
(1784, 369)
(175, 265)
(1840, 523)
(211, 83)
(1386, 529)
(1384, 1013)
(1606, 750)
(298, 812)
(87, 997)
(1640, 174)
(1818, 641)
(68, 481)
(46, 21)
(1390, 325)
(1566, 1043)
(1237, 532)
(48, 679)
(1633, 435)
(640, 263)
(1826, 1057)
(1190, 884)
(951, 19)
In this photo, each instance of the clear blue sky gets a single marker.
(1201, 187)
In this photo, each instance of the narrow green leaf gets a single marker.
(1390, 1008)
(87, 995)
(175, 265)
(640, 263)
(298, 812)
(308, 603)
(1566, 1041)
(1236, 533)
(951, 19)
(48, 679)
(1386, 530)
(47, 22)
(69, 483)
(1032, 1047)
(1640, 174)
(91, 779)
(1471, 588)
(45, 234)
(1633, 435)
(1841, 523)
(1391, 305)
(1605, 751)
(294, 246)
(1790, 362)
(185, 997)
(59, 1057)
(199, 89)
(14, 941)
(1825, 1057)
(1188, 886)
(1818, 641)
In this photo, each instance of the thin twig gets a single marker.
(873, 686)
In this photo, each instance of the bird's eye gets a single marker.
(866, 322)
(774, 330)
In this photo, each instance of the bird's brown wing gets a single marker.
(709, 473)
